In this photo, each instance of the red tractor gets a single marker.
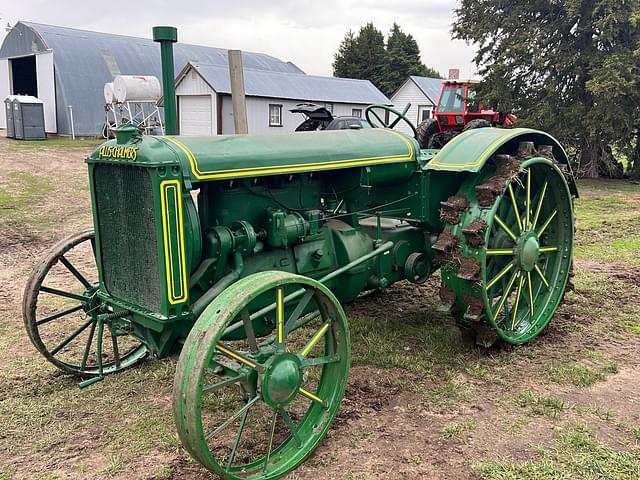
(458, 110)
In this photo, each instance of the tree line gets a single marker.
(571, 68)
(365, 55)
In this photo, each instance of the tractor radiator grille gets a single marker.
(127, 232)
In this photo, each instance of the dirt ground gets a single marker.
(422, 400)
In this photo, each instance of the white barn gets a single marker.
(204, 98)
(422, 93)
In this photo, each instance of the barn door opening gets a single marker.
(24, 80)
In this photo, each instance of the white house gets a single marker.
(204, 98)
(422, 93)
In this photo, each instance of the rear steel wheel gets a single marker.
(256, 407)
(60, 308)
(510, 264)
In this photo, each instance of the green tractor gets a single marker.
(239, 252)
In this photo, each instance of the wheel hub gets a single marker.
(529, 251)
(281, 379)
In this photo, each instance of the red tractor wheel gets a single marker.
(477, 123)
(426, 131)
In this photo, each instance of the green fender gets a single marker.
(469, 151)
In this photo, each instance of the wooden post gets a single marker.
(236, 75)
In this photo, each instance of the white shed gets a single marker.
(422, 93)
(204, 99)
(66, 67)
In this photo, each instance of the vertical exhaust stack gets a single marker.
(167, 36)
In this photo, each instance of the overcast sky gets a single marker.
(305, 33)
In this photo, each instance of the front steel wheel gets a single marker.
(60, 308)
(258, 406)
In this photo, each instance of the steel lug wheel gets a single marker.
(61, 311)
(256, 407)
(514, 244)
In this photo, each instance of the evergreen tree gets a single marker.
(571, 68)
(365, 56)
(371, 54)
(403, 60)
(361, 56)
(344, 63)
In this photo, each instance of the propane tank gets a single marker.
(108, 93)
(136, 88)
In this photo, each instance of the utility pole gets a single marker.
(236, 75)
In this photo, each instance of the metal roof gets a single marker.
(431, 87)
(84, 61)
(295, 86)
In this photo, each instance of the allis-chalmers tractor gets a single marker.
(239, 251)
(459, 110)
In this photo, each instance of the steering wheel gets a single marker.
(371, 110)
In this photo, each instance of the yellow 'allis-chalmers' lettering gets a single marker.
(118, 151)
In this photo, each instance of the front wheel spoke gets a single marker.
(515, 207)
(305, 320)
(506, 228)
(547, 249)
(505, 295)
(62, 293)
(514, 316)
(311, 396)
(291, 425)
(87, 348)
(93, 246)
(116, 351)
(312, 362)
(270, 446)
(280, 316)
(228, 421)
(81, 278)
(316, 337)
(541, 275)
(237, 356)
(223, 383)
(59, 314)
(236, 443)
(302, 304)
(248, 328)
(539, 207)
(547, 223)
(70, 338)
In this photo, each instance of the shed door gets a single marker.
(195, 115)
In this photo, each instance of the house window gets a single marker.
(275, 115)
(329, 106)
(356, 112)
(424, 113)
